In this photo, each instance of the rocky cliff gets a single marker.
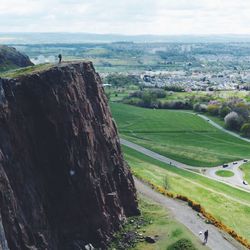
(63, 180)
(10, 58)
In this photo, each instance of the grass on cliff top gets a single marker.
(162, 224)
(178, 135)
(25, 71)
(229, 205)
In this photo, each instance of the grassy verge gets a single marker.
(168, 230)
(246, 169)
(224, 173)
(179, 135)
(226, 204)
(24, 71)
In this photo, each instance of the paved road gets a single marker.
(236, 180)
(235, 183)
(217, 240)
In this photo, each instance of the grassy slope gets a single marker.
(25, 71)
(246, 169)
(178, 135)
(168, 229)
(219, 199)
(217, 120)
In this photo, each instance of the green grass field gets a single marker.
(246, 169)
(227, 204)
(179, 135)
(224, 173)
(168, 229)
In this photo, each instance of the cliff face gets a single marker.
(63, 180)
(11, 58)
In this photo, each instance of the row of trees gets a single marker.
(234, 111)
(118, 80)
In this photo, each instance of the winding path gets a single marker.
(236, 182)
(217, 240)
(220, 127)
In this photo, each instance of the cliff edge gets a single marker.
(63, 179)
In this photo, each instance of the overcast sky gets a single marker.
(165, 17)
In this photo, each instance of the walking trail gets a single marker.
(236, 181)
(221, 128)
(217, 240)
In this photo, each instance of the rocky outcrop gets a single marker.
(63, 180)
(10, 58)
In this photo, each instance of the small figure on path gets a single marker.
(60, 58)
(205, 237)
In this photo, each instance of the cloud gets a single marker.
(128, 17)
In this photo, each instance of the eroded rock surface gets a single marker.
(63, 180)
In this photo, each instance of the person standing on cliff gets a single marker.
(60, 58)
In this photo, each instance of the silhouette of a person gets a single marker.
(60, 58)
(205, 237)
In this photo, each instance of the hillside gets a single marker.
(179, 135)
(10, 58)
(64, 182)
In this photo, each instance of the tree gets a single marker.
(213, 109)
(242, 109)
(197, 107)
(148, 98)
(118, 80)
(245, 129)
(233, 121)
(223, 111)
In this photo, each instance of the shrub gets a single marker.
(118, 80)
(181, 245)
(137, 94)
(132, 101)
(233, 121)
(200, 107)
(203, 108)
(245, 129)
(159, 93)
(174, 88)
(177, 105)
(166, 182)
(224, 111)
(242, 109)
(213, 109)
(148, 99)
(197, 107)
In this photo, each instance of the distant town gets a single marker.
(192, 66)
(225, 80)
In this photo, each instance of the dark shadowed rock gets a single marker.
(63, 181)
(11, 58)
(150, 239)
